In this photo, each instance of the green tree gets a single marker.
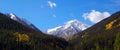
(117, 42)
(97, 46)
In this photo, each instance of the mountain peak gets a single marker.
(73, 21)
(76, 23)
(22, 21)
(13, 16)
(69, 29)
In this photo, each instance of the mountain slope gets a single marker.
(69, 29)
(104, 35)
(101, 36)
(22, 21)
(16, 36)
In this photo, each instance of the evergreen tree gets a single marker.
(117, 42)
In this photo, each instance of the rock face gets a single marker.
(69, 29)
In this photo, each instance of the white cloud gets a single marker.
(52, 4)
(96, 16)
(54, 16)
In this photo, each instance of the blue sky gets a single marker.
(46, 14)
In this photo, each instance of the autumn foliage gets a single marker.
(109, 25)
(21, 37)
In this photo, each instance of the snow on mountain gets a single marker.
(12, 16)
(22, 21)
(69, 29)
(51, 30)
(76, 23)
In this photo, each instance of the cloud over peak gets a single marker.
(52, 4)
(96, 16)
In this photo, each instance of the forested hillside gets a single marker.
(104, 35)
(15, 36)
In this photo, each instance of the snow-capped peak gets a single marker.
(76, 23)
(69, 29)
(22, 21)
(72, 21)
(12, 16)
